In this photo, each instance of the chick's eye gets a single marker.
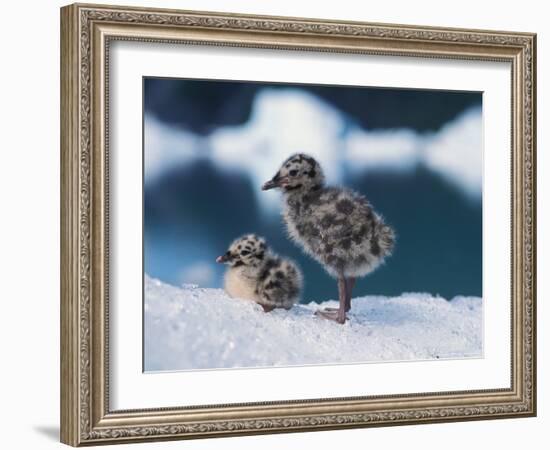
(293, 173)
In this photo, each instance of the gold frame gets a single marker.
(86, 31)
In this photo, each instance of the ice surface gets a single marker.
(189, 327)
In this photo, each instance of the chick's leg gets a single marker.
(342, 291)
(337, 314)
(350, 283)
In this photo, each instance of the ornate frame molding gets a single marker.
(86, 31)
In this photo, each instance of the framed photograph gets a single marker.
(276, 224)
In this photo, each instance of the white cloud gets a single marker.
(396, 149)
(456, 151)
(282, 122)
(285, 121)
(166, 146)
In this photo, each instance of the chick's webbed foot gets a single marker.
(338, 315)
(267, 308)
(332, 314)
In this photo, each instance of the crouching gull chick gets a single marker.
(336, 226)
(255, 273)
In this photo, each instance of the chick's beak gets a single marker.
(271, 184)
(275, 182)
(221, 259)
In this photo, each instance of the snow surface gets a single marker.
(189, 327)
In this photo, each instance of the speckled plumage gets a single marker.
(256, 273)
(339, 229)
(336, 226)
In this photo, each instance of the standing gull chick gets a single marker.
(255, 273)
(336, 226)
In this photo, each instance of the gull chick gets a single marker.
(336, 226)
(255, 273)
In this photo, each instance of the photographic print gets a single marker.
(295, 224)
(307, 204)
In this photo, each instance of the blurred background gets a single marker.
(415, 154)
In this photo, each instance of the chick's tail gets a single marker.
(386, 238)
